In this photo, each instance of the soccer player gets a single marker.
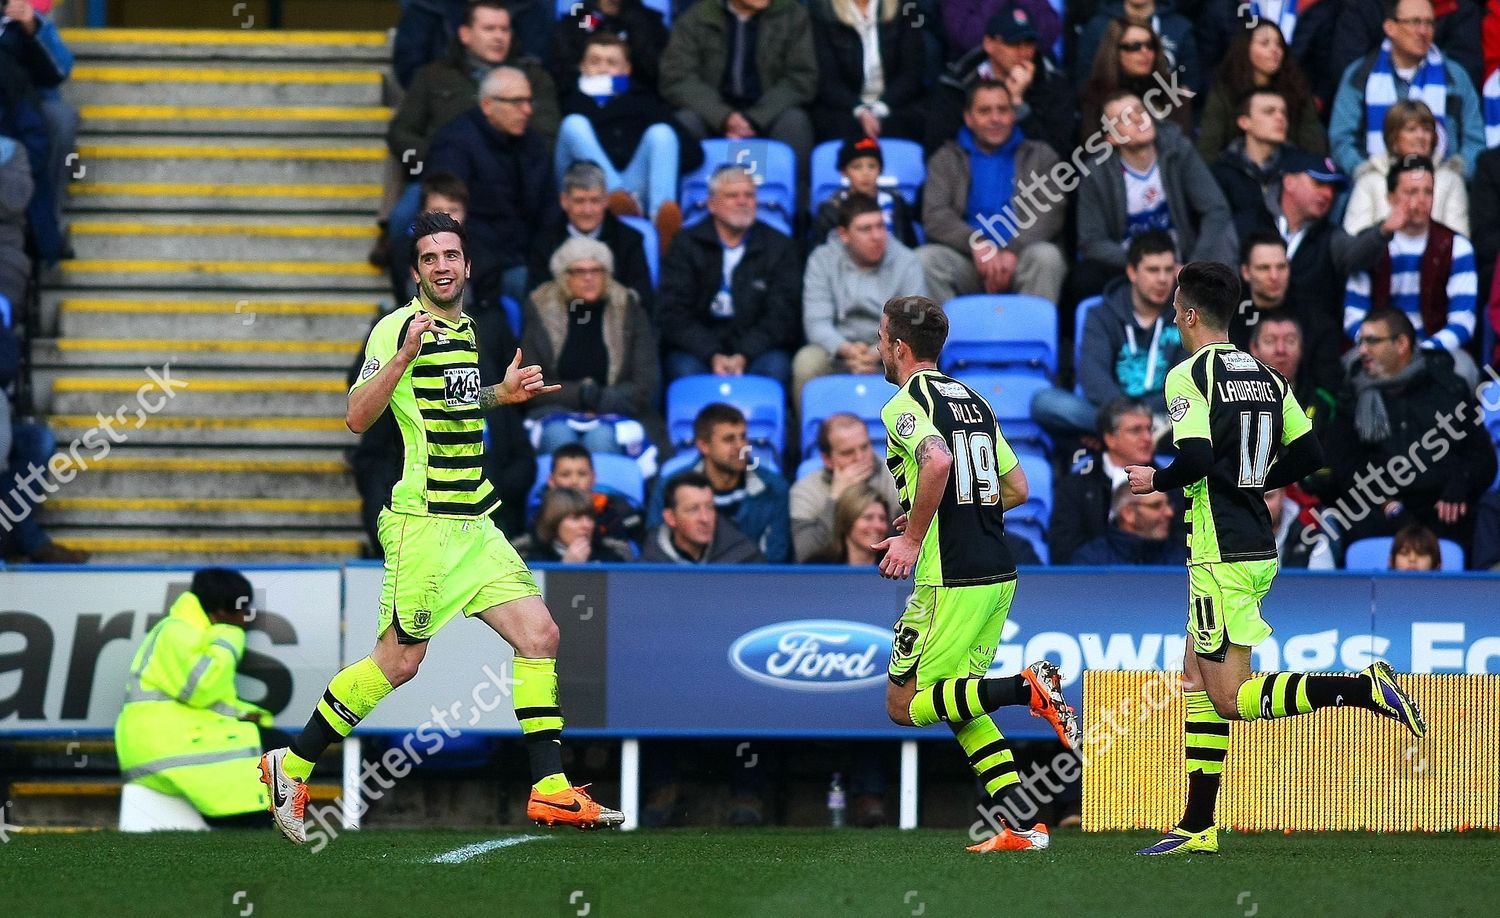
(956, 476)
(443, 555)
(1231, 416)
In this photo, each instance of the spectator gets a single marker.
(583, 212)
(755, 500)
(1174, 42)
(1454, 25)
(1130, 341)
(1410, 130)
(1486, 553)
(861, 519)
(614, 515)
(426, 29)
(1266, 274)
(566, 532)
(1306, 25)
(1081, 499)
(590, 335)
(1298, 543)
(1258, 60)
(691, 530)
(742, 69)
(1130, 60)
(1250, 166)
(1013, 51)
(848, 280)
(1276, 340)
(505, 165)
(15, 199)
(987, 236)
(849, 463)
(1407, 65)
(870, 57)
(1397, 455)
(1139, 533)
(33, 38)
(729, 297)
(1153, 179)
(1484, 204)
(509, 461)
(861, 163)
(1427, 271)
(26, 69)
(625, 128)
(1415, 548)
(966, 23)
(639, 26)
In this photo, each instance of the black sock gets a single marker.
(315, 737)
(1203, 793)
(1007, 690)
(545, 754)
(1340, 691)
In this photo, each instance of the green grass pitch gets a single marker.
(793, 873)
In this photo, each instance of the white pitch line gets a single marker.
(459, 855)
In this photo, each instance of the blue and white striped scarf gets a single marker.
(1430, 85)
(1491, 104)
(1285, 18)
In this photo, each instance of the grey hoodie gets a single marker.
(842, 301)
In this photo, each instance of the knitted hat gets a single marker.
(854, 149)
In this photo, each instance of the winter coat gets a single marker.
(730, 546)
(1047, 112)
(762, 514)
(841, 61)
(640, 27)
(624, 242)
(1368, 204)
(692, 67)
(945, 198)
(1118, 547)
(1217, 127)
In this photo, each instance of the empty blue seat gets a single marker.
(1374, 554)
(1001, 330)
(1038, 506)
(1031, 532)
(1010, 395)
(904, 171)
(652, 243)
(773, 165)
(513, 315)
(759, 398)
(860, 395)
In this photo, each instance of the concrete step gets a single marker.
(224, 315)
(143, 472)
(260, 120)
(233, 160)
(189, 545)
(226, 197)
(211, 274)
(203, 512)
(146, 45)
(211, 237)
(193, 431)
(120, 84)
(139, 396)
(90, 353)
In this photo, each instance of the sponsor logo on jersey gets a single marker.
(1238, 361)
(371, 367)
(813, 655)
(1178, 409)
(951, 390)
(460, 385)
(906, 425)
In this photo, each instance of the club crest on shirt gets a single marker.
(371, 367)
(1178, 409)
(906, 425)
(1237, 361)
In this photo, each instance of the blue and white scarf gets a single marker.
(1285, 17)
(1491, 104)
(1429, 85)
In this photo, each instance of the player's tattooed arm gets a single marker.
(489, 397)
(930, 446)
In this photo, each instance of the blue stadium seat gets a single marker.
(773, 165)
(612, 472)
(1038, 506)
(1374, 554)
(1010, 395)
(1489, 395)
(1031, 532)
(904, 168)
(647, 229)
(513, 315)
(861, 395)
(760, 398)
(1080, 316)
(764, 458)
(806, 467)
(1001, 330)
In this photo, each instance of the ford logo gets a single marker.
(813, 655)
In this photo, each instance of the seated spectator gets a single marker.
(1276, 340)
(755, 500)
(1153, 179)
(986, 236)
(861, 519)
(691, 530)
(583, 211)
(1013, 51)
(639, 26)
(1249, 168)
(966, 23)
(32, 36)
(566, 532)
(1299, 545)
(1484, 205)
(1427, 271)
(1129, 60)
(1486, 553)
(426, 28)
(1139, 533)
(849, 463)
(1258, 60)
(626, 129)
(1267, 274)
(1173, 40)
(32, 447)
(1306, 25)
(1453, 24)
(1408, 443)
(742, 69)
(1081, 500)
(615, 516)
(590, 335)
(1407, 65)
(1410, 130)
(506, 167)
(849, 278)
(26, 69)
(1130, 341)
(860, 162)
(1415, 548)
(871, 62)
(15, 199)
(730, 288)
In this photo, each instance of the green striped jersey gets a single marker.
(436, 407)
(965, 545)
(1246, 411)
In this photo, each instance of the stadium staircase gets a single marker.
(223, 203)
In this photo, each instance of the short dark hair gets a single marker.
(446, 184)
(918, 321)
(1259, 237)
(220, 589)
(1213, 289)
(688, 479)
(1396, 321)
(1411, 162)
(572, 451)
(430, 224)
(712, 415)
(825, 428)
(605, 39)
(1150, 242)
(855, 205)
(1243, 108)
(476, 5)
(1420, 540)
(1108, 419)
(1391, 7)
(979, 86)
(1271, 318)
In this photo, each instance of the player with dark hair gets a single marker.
(956, 476)
(443, 555)
(1239, 433)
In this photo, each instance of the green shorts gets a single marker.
(437, 567)
(1224, 605)
(947, 632)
